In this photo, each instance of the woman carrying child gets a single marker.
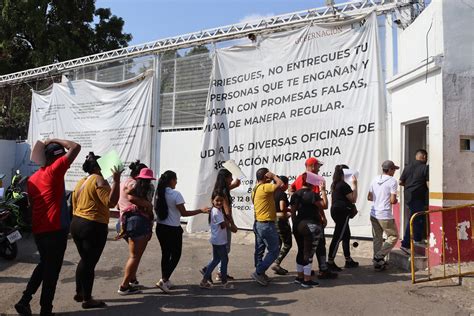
(137, 223)
(219, 226)
(169, 207)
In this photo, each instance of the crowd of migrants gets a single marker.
(140, 205)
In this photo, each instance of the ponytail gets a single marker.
(338, 175)
(135, 168)
(161, 207)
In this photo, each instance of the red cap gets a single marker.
(313, 161)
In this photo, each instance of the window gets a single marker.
(467, 143)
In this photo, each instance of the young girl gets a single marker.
(219, 227)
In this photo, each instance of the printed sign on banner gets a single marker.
(99, 116)
(310, 92)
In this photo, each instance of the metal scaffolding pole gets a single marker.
(336, 12)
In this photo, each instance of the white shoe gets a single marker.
(163, 286)
(169, 284)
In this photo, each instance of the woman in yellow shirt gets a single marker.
(92, 198)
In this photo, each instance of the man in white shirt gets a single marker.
(383, 193)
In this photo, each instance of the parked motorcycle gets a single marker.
(9, 233)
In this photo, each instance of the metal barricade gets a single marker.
(445, 275)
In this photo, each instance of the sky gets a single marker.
(150, 20)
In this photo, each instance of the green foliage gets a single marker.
(35, 33)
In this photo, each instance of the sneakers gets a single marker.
(326, 274)
(333, 267)
(298, 280)
(163, 286)
(279, 270)
(171, 285)
(405, 250)
(308, 284)
(134, 283)
(259, 278)
(351, 264)
(379, 264)
(267, 278)
(23, 309)
(128, 290)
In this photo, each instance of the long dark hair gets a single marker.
(161, 207)
(135, 168)
(221, 184)
(142, 187)
(338, 175)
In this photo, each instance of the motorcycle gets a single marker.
(9, 233)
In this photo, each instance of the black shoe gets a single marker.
(23, 309)
(310, 283)
(326, 274)
(78, 298)
(298, 280)
(351, 264)
(334, 267)
(93, 304)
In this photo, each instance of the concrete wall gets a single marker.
(458, 173)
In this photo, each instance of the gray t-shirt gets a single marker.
(173, 198)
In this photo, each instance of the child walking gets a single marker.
(218, 240)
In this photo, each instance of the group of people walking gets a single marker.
(139, 203)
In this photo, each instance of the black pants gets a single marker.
(342, 232)
(284, 231)
(321, 251)
(171, 242)
(307, 235)
(51, 248)
(90, 238)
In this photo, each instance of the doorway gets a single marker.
(415, 137)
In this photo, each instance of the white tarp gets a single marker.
(99, 116)
(310, 92)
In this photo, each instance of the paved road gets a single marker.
(357, 292)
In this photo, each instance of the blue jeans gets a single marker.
(266, 236)
(418, 224)
(219, 255)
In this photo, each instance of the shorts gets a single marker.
(138, 227)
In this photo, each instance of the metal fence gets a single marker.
(455, 257)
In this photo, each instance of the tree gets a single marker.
(35, 33)
(196, 50)
(41, 32)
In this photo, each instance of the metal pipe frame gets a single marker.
(412, 248)
(337, 12)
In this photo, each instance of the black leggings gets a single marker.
(51, 248)
(90, 238)
(307, 235)
(342, 232)
(171, 242)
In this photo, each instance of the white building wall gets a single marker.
(424, 37)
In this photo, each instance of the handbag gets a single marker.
(352, 210)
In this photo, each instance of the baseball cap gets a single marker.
(388, 164)
(54, 150)
(313, 161)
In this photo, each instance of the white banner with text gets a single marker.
(97, 115)
(310, 92)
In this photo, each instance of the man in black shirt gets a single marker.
(415, 179)
(283, 226)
